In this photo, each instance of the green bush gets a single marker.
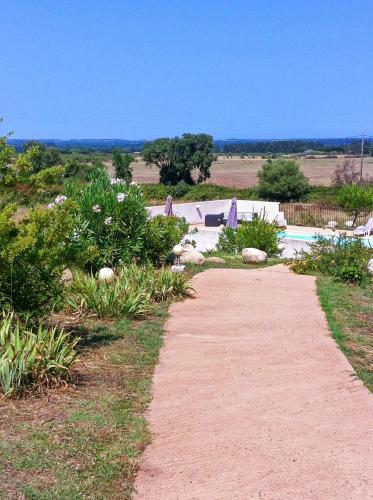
(47, 177)
(162, 235)
(258, 234)
(131, 294)
(342, 257)
(113, 218)
(281, 180)
(33, 253)
(180, 189)
(33, 359)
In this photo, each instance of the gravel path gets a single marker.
(253, 399)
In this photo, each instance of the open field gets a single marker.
(242, 172)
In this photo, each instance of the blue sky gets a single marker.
(144, 69)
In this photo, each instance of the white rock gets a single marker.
(177, 269)
(370, 266)
(67, 277)
(332, 223)
(192, 257)
(216, 260)
(253, 256)
(105, 275)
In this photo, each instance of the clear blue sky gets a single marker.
(146, 68)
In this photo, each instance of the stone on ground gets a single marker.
(253, 256)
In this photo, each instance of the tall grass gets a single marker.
(32, 359)
(132, 293)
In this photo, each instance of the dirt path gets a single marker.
(252, 398)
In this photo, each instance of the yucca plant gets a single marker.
(117, 299)
(33, 358)
(131, 294)
(170, 285)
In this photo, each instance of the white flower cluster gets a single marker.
(116, 181)
(96, 209)
(58, 201)
(108, 221)
(121, 197)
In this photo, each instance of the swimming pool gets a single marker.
(309, 237)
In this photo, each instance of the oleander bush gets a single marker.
(258, 233)
(342, 257)
(115, 225)
(132, 293)
(33, 358)
(113, 218)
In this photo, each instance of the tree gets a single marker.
(281, 180)
(346, 174)
(7, 154)
(45, 157)
(356, 200)
(122, 165)
(179, 158)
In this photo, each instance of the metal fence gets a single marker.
(313, 215)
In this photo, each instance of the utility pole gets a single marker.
(361, 159)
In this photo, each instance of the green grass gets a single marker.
(88, 447)
(349, 311)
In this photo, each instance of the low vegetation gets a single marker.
(349, 311)
(344, 258)
(33, 358)
(132, 294)
(259, 234)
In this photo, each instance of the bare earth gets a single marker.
(253, 399)
(242, 172)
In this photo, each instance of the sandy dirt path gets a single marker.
(253, 399)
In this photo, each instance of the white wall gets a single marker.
(194, 215)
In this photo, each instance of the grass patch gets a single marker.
(349, 311)
(85, 442)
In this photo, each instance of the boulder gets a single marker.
(253, 256)
(177, 269)
(67, 277)
(370, 267)
(192, 257)
(216, 260)
(106, 275)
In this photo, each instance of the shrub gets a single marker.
(131, 294)
(122, 165)
(33, 358)
(281, 180)
(33, 253)
(180, 189)
(48, 176)
(161, 236)
(259, 234)
(342, 257)
(113, 218)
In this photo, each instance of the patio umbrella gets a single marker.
(232, 216)
(168, 206)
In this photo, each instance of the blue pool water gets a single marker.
(309, 238)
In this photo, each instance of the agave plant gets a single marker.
(131, 294)
(30, 358)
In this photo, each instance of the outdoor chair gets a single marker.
(365, 230)
(214, 220)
